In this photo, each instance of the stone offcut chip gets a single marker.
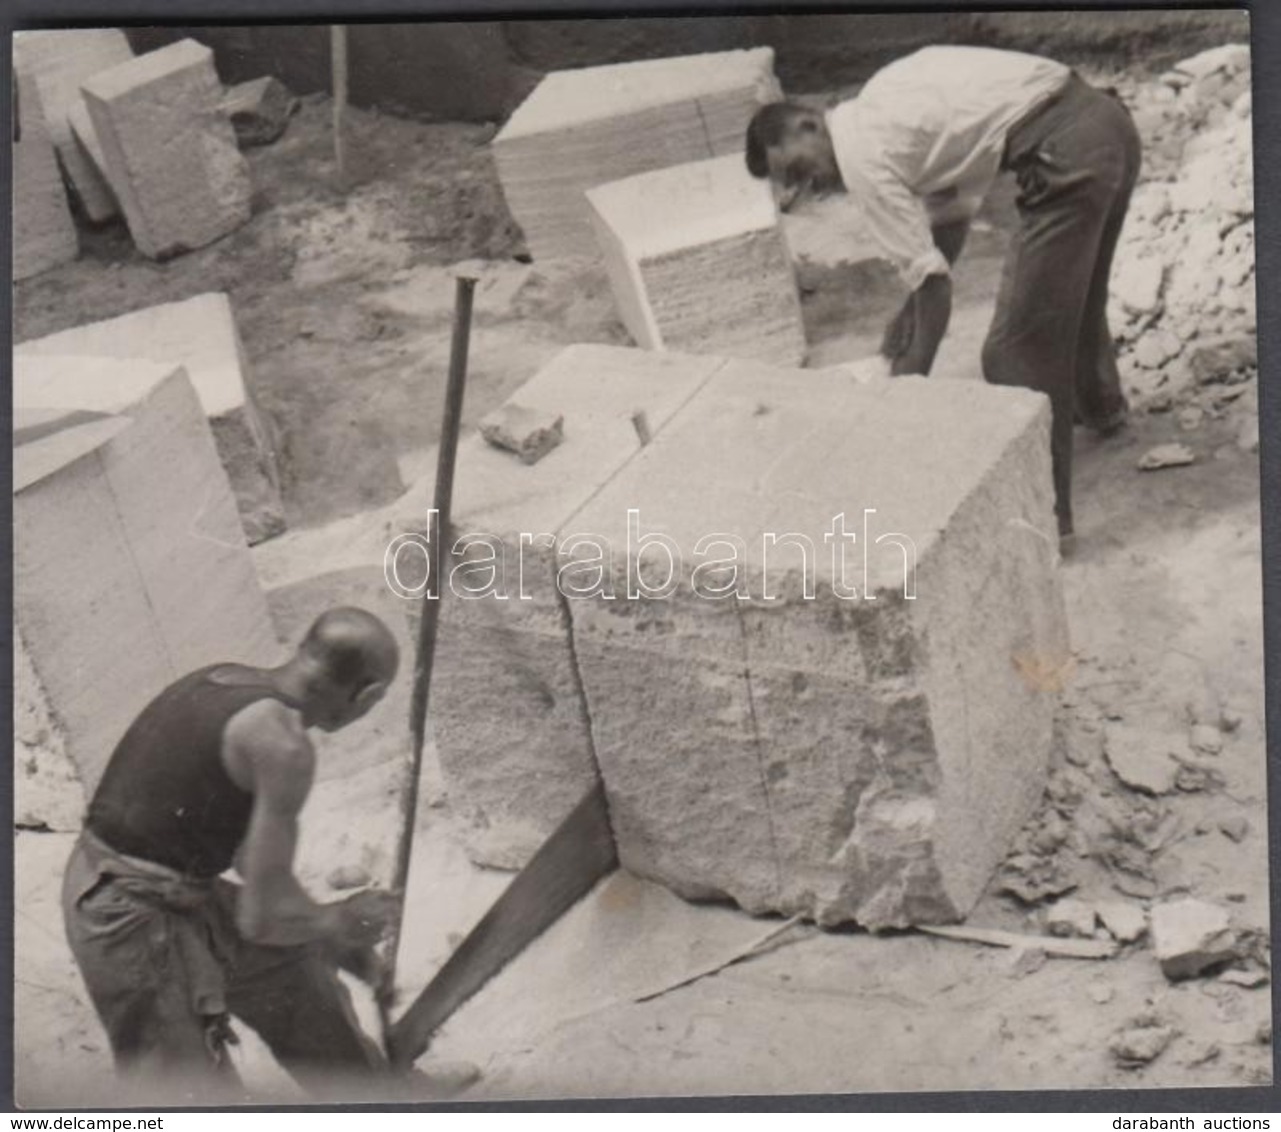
(527, 432)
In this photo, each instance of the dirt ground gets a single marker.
(344, 308)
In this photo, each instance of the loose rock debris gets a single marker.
(1206, 739)
(1182, 302)
(1124, 921)
(1166, 456)
(1141, 1041)
(1141, 760)
(1234, 828)
(1189, 936)
(259, 110)
(1071, 918)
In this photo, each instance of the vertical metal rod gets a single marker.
(338, 80)
(427, 626)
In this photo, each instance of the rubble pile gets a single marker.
(1183, 294)
(1099, 860)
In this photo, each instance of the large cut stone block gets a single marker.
(44, 235)
(836, 735)
(171, 155)
(698, 262)
(582, 128)
(849, 740)
(60, 61)
(506, 705)
(200, 334)
(130, 567)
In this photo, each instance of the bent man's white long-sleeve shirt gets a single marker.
(923, 140)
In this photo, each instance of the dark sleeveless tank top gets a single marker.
(165, 795)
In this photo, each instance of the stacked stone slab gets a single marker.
(44, 235)
(865, 757)
(59, 61)
(199, 333)
(86, 139)
(129, 564)
(170, 155)
(506, 704)
(582, 128)
(698, 261)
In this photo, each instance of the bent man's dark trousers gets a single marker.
(1076, 160)
(164, 964)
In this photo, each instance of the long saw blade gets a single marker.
(564, 869)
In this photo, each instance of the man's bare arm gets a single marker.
(933, 311)
(268, 753)
(903, 330)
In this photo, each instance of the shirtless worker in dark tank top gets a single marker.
(213, 774)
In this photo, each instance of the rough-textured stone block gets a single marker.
(582, 128)
(847, 752)
(60, 61)
(698, 261)
(863, 758)
(171, 155)
(259, 110)
(506, 705)
(44, 235)
(200, 334)
(130, 567)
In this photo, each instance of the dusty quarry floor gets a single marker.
(344, 309)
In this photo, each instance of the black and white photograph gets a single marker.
(565, 559)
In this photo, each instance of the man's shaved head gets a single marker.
(352, 647)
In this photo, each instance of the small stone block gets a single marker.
(528, 433)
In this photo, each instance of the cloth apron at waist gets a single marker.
(196, 913)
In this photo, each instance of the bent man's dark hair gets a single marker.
(767, 127)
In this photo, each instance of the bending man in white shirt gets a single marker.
(918, 150)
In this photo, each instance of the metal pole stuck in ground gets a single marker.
(338, 80)
(450, 428)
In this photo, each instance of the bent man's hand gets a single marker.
(362, 920)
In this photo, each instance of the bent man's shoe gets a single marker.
(1109, 425)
